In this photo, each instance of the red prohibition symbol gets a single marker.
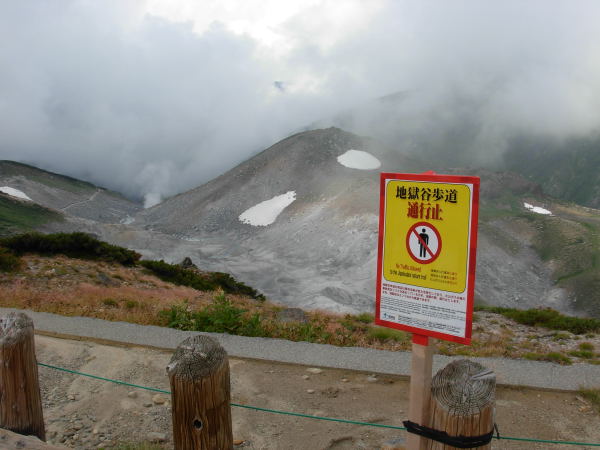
(423, 243)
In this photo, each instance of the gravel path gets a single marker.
(508, 372)
(85, 413)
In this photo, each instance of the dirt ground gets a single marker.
(84, 413)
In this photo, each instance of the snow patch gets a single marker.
(266, 212)
(357, 159)
(537, 209)
(14, 193)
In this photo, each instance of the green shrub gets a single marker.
(219, 317)
(74, 245)
(223, 317)
(582, 354)
(548, 318)
(110, 302)
(231, 286)
(178, 316)
(9, 262)
(174, 273)
(559, 358)
(130, 304)
(365, 318)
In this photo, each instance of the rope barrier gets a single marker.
(308, 416)
(103, 379)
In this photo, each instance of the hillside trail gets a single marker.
(82, 202)
(86, 413)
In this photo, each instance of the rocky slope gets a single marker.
(67, 195)
(317, 248)
(320, 252)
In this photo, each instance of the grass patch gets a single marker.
(223, 316)
(555, 357)
(313, 331)
(45, 177)
(586, 346)
(566, 169)
(387, 334)
(582, 354)
(358, 322)
(364, 318)
(548, 318)
(17, 216)
(560, 336)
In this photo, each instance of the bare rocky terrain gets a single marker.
(67, 195)
(84, 413)
(321, 251)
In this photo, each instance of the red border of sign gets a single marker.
(437, 233)
(434, 178)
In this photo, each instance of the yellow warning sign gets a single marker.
(426, 237)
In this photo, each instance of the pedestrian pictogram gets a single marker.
(423, 243)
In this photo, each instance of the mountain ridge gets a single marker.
(321, 250)
(66, 195)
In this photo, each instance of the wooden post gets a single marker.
(420, 388)
(21, 401)
(199, 377)
(462, 401)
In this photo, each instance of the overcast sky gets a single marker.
(154, 97)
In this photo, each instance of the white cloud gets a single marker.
(182, 90)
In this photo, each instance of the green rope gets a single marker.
(288, 413)
(308, 416)
(102, 378)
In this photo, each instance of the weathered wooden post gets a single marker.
(420, 387)
(462, 403)
(199, 377)
(20, 399)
